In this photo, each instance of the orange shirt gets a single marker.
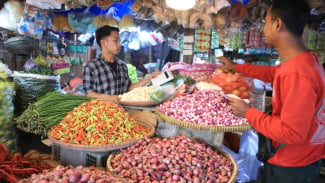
(298, 118)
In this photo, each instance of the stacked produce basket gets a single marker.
(182, 144)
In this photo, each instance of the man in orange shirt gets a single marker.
(298, 117)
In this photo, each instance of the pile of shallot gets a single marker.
(178, 159)
(68, 174)
(203, 107)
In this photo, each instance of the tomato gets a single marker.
(236, 92)
(244, 94)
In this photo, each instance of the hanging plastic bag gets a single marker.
(11, 12)
(39, 60)
(30, 86)
(34, 20)
(30, 65)
(45, 4)
(82, 21)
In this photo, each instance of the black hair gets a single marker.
(2, 3)
(294, 13)
(103, 32)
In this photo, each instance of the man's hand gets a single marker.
(227, 64)
(238, 106)
(151, 76)
(105, 97)
(111, 98)
(144, 81)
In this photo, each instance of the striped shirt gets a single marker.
(99, 77)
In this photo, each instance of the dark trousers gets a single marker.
(278, 174)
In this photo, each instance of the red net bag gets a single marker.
(233, 83)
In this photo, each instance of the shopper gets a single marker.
(107, 76)
(298, 117)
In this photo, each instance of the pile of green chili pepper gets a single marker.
(98, 122)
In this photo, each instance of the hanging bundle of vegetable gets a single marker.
(7, 132)
(98, 123)
(14, 167)
(47, 111)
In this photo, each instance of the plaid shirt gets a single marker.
(99, 77)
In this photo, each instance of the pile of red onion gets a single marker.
(202, 107)
(178, 159)
(68, 174)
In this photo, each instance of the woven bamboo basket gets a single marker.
(225, 154)
(139, 103)
(25, 130)
(204, 127)
(108, 147)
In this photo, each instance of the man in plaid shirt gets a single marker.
(107, 76)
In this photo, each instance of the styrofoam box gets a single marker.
(69, 156)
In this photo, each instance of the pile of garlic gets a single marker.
(140, 94)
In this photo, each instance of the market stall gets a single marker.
(178, 128)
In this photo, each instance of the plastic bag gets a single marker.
(45, 4)
(7, 131)
(199, 72)
(82, 21)
(30, 86)
(132, 71)
(30, 65)
(171, 66)
(11, 13)
(248, 165)
(34, 20)
(163, 93)
(4, 71)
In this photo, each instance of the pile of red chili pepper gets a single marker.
(14, 166)
(98, 122)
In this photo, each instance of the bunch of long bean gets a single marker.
(47, 111)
